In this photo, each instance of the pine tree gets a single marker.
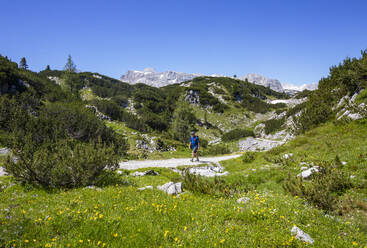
(48, 68)
(23, 63)
(70, 66)
(183, 122)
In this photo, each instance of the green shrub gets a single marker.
(248, 157)
(219, 149)
(64, 164)
(237, 134)
(325, 186)
(214, 187)
(273, 125)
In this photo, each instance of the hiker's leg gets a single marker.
(192, 155)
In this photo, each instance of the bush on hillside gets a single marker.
(237, 134)
(273, 125)
(215, 187)
(219, 149)
(248, 157)
(65, 164)
(325, 186)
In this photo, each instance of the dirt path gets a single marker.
(169, 163)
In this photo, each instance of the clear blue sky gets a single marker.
(294, 41)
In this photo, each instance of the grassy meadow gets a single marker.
(117, 214)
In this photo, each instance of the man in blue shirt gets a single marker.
(194, 146)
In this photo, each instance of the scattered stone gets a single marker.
(144, 173)
(257, 144)
(307, 173)
(304, 168)
(352, 176)
(301, 235)
(146, 187)
(344, 163)
(288, 155)
(171, 188)
(243, 200)
(208, 171)
(4, 151)
(93, 187)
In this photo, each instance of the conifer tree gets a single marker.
(23, 63)
(70, 66)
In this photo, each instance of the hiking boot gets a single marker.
(192, 160)
(197, 160)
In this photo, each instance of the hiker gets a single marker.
(194, 146)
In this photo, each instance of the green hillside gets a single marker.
(68, 131)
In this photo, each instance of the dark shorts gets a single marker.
(195, 149)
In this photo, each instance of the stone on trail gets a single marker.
(146, 187)
(144, 173)
(243, 200)
(171, 188)
(301, 235)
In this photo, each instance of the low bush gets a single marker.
(248, 157)
(325, 186)
(215, 187)
(273, 125)
(217, 150)
(65, 164)
(237, 134)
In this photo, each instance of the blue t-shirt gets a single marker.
(194, 141)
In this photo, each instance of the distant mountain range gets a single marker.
(160, 79)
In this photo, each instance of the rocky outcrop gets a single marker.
(348, 109)
(193, 97)
(99, 114)
(156, 79)
(273, 84)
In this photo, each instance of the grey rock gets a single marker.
(146, 187)
(171, 188)
(288, 155)
(257, 144)
(156, 79)
(4, 151)
(307, 173)
(273, 84)
(301, 235)
(144, 173)
(208, 171)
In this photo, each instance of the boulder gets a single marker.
(301, 235)
(171, 188)
(307, 173)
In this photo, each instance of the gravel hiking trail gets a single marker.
(173, 162)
